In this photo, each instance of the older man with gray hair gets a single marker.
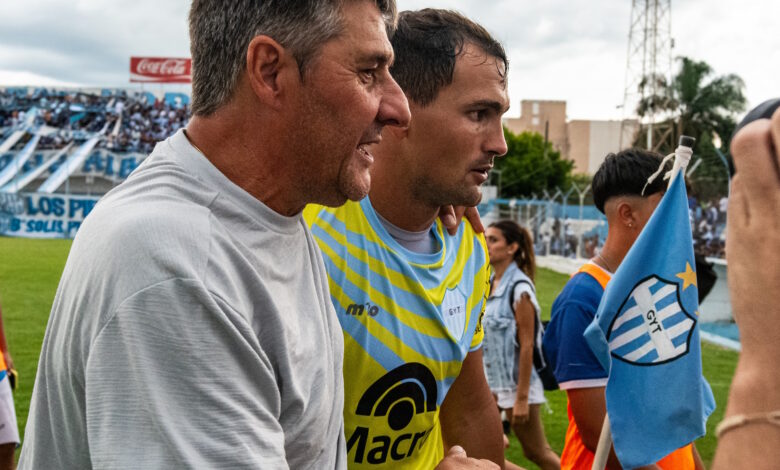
(192, 326)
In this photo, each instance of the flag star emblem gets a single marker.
(688, 276)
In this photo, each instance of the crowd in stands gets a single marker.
(135, 121)
(708, 225)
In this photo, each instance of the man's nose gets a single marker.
(496, 143)
(394, 108)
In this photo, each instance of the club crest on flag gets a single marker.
(652, 327)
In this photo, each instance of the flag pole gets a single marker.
(604, 446)
(682, 156)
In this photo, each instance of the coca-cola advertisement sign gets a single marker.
(160, 69)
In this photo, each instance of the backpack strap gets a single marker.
(540, 362)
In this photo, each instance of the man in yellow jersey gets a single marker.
(618, 193)
(409, 296)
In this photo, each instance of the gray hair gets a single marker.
(221, 30)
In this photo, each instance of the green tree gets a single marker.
(583, 182)
(531, 165)
(701, 105)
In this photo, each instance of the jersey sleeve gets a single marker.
(177, 379)
(483, 291)
(575, 364)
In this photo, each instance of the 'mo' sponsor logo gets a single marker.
(357, 310)
(399, 395)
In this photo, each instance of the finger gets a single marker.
(456, 450)
(448, 219)
(488, 464)
(756, 163)
(776, 137)
(738, 214)
(472, 215)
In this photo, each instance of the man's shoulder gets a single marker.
(581, 289)
(333, 218)
(574, 308)
(153, 233)
(466, 240)
(134, 219)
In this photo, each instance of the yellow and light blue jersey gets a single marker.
(409, 320)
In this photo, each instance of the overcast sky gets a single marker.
(573, 50)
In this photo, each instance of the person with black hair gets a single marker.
(621, 192)
(511, 332)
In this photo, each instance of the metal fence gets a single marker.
(560, 221)
(562, 224)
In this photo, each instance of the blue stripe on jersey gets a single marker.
(424, 275)
(403, 298)
(378, 351)
(436, 348)
(410, 256)
(443, 386)
(373, 249)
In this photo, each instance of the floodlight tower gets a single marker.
(649, 59)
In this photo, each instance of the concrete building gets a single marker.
(535, 115)
(585, 142)
(591, 141)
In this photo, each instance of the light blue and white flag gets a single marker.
(646, 335)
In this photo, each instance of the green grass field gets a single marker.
(30, 271)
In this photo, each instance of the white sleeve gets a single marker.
(177, 379)
(525, 288)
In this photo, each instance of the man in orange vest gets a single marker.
(619, 192)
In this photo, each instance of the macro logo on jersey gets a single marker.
(396, 396)
(651, 327)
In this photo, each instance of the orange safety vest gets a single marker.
(575, 455)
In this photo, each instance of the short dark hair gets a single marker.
(625, 174)
(221, 31)
(427, 43)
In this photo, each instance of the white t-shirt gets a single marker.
(192, 328)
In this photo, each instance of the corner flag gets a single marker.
(646, 336)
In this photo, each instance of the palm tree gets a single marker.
(695, 102)
(700, 105)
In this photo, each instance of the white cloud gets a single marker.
(558, 49)
(24, 78)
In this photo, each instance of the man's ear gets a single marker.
(626, 213)
(268, 69)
